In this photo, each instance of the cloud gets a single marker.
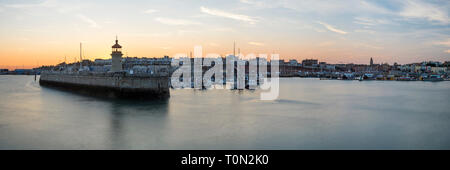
(224, 29)
(224, 14)
(149, 11)
(364, 21)
(436, 11)
(88, 20)
(364, 45)
(59, 6)
(257, 3)
(447, 51)
(310, 27)
(47, 3)
(310, 6)
(369, 21)
(365, 31)
(171, 21)
(331, 28)
(443, 43)
(417, 9)
(256, 43)
(367, 6)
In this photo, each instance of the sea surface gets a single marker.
(309, 114)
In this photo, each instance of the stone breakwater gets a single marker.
(113, 85)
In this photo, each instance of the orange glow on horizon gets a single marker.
(31, 54)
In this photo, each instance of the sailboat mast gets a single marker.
(234, 48)
(81, 59)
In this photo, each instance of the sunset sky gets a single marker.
(42, 32)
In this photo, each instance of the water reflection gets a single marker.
(309, 114)
(123, 112)
(126, 124)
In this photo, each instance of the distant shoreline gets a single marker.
(283, 77)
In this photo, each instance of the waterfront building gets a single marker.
(102, 62)
(446, 64)
(419, 68)
(293, 62)
(24, 71)
(330, 67)
(439, 69)
(309, 62)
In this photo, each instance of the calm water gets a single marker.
(310, 114)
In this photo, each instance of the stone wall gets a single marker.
(121, 84)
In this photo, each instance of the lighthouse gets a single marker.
(116, 57)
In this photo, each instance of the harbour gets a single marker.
(247, 84)
(112, 80)
(309, 114)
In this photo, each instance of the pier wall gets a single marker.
(113, 85)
